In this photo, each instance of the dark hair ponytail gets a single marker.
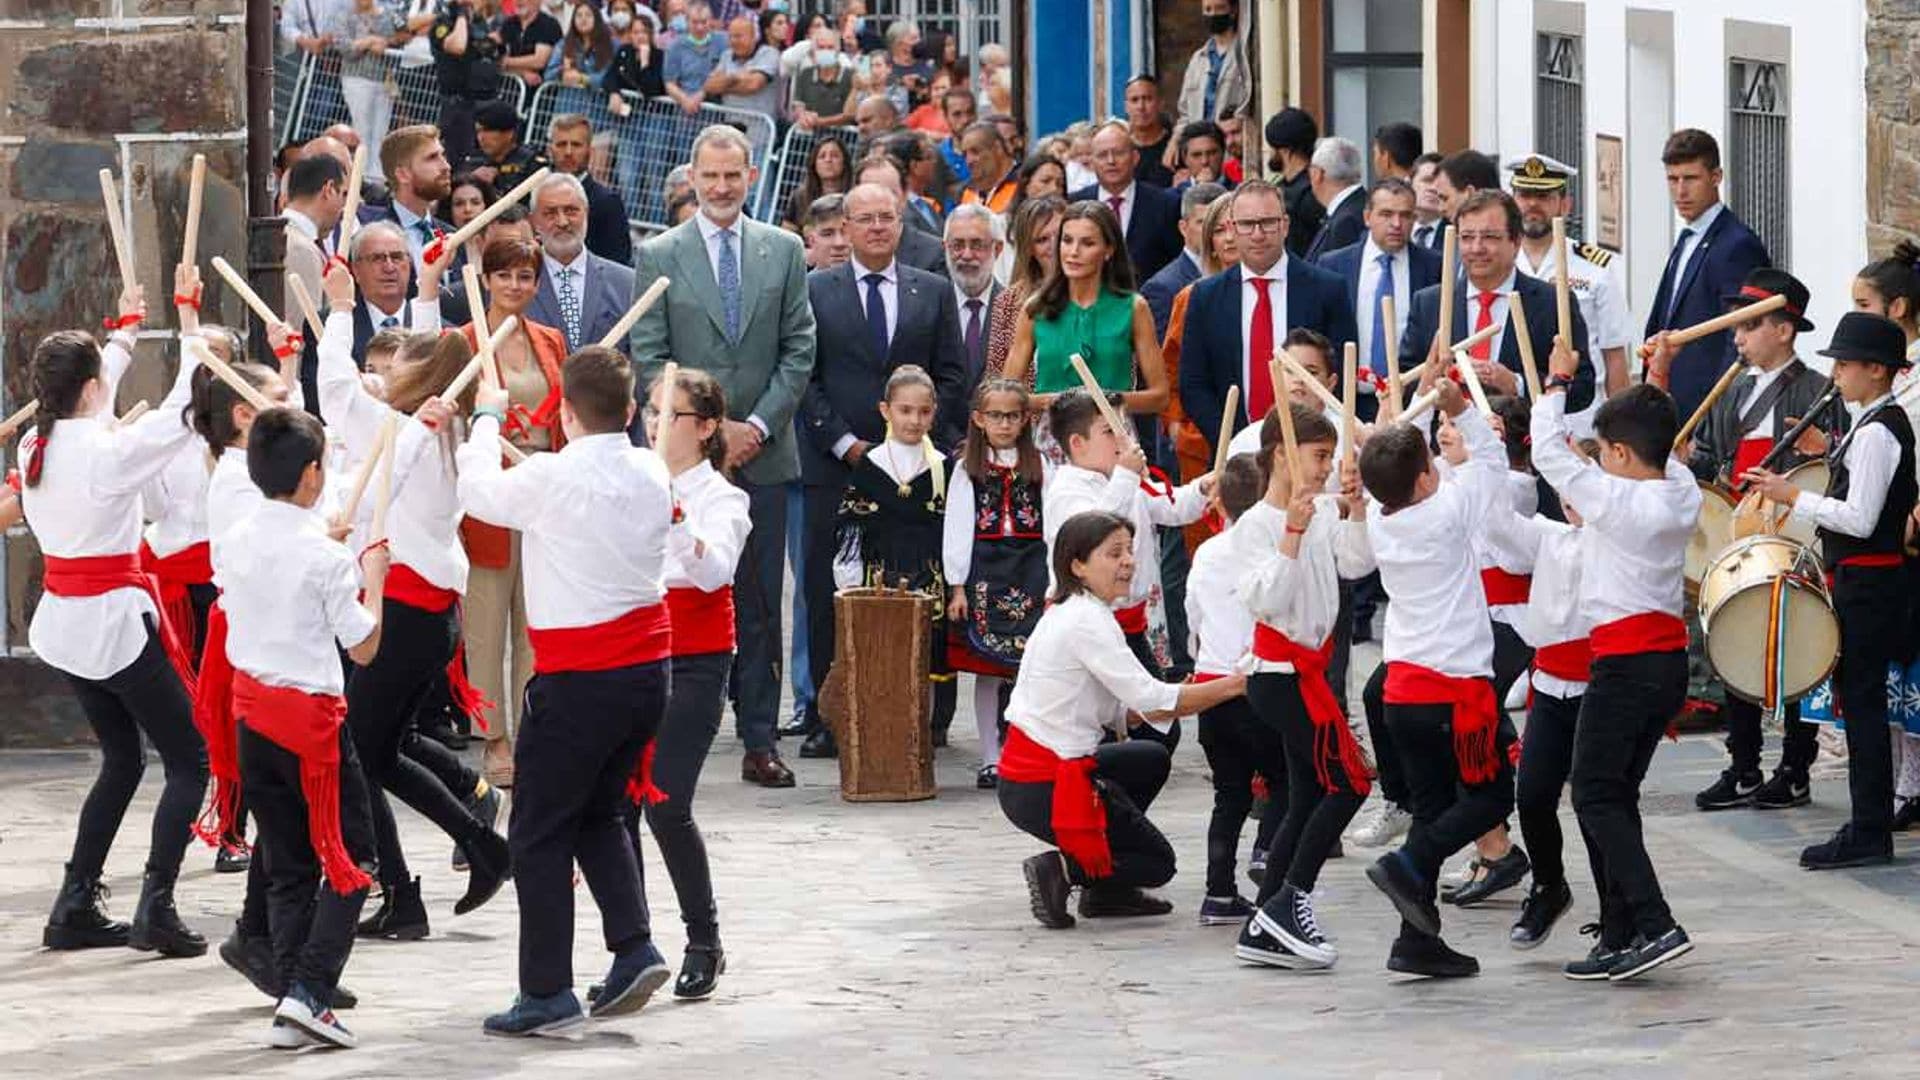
(209, 411)
(64, 363)
(1897, 277)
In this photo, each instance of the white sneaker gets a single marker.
(285, 1036)
(1386, 827)
(298, 1010)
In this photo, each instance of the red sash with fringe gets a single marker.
(97, 575)
(308, 727)
(1476, 715)
(1079, 816)
(1332, 738)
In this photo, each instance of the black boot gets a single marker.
(156, 925)
(491, 866)
(402, 915)
(79, 919)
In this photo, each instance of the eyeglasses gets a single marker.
(868, 221)
(1249, 226)
(651, 416)
(970, 245)
(995, 416)
(1111, 155)
(394, 257)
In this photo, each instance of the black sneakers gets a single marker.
(1542, 908)
(1599, 961)
(490, 865)
(700, 971)
(1646, 955)
(1257, 945)
(1288, 916)
(1225, 910)
(1106, 901)
(1421, 954)
(1731, 790)
(632, 980)
(1394, 875)
(1493, 877)
(1846, 849)
(1048, 888)
(1782, 791)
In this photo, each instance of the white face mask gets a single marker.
(826, 57)
(620, 20)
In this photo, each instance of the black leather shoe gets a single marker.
(1647, 955)
(1543, 908)
(1847, 849)
(79, 919)
(820, 744)
(491, 866)
(1431, 957)
(1394, 875)
(700, 971)
(1048, 888)
(252, 957)
(764, 767)
(1907, 815)
(797, 724)
(1497, 876)
(233, 857)
(402, 915)
(1120, 902)
(156, 925)
(1600, 959)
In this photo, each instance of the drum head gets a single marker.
(1737, 639)
(1712, 533)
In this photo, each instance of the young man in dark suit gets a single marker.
(1382, 264)
(1712, 256)
(1160, 289)
(1149, 216)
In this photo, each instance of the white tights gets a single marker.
(986, 715)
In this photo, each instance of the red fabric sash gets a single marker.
(1746, 455)
(308, 727)
(97, 575)
(406, 586)
(1476, 715)
(1881, 559)
(1331, 737)
(1155, 475)
(1647, 632)
(213, 716)
(1079, 816)
(1206, 677)
(641, 790)
(1503, 588)
(702, 621)
(1569, 660)
(1132, 620)
(641, 636)
(191, 565)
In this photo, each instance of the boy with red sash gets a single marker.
(1639, 506)
(594, 519)
(290, 593)
(1295, 547)
(1438, 651)
(1862, 521)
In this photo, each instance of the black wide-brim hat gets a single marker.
(1870, 338)
(1765, 282)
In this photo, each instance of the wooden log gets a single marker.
(1719, 387)
(19, 419)
(383, 489)
(1349, 418)
(245, 291)
(303, 300)
(1120, 428)
(350, 214)
(481, 362)
(663, 423)
(139, 409)
(1319, 389)
(1562, 292)
(225, 373)
(480, 221)
(365, 472)
(1449, 271)
(1731, 319)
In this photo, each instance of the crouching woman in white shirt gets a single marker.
(1060, 778)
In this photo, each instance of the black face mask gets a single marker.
(1220, 24)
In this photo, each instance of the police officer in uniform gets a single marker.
(466, 60)
(502, 159)
(1540, 187)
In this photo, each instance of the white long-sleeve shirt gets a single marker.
(957, 530)
(1073, 490)
(1298, 596)
(175, 501)
(1078, 679)
(703, 550)
(87, 503)
(1438, 614)
(290, 592)
(1871, 454)
(593, 520)
(1219, 627)
(1247, 441)
(1634, 542)
(1552, 613)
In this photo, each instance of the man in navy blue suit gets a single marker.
(1711, 258)
(1383, 264)
(1149, 215)
(1184, 270)
(1489, 227)
(1238, 318)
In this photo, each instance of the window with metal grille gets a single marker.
(974, 22)
(1757, 152)
(1559, 112)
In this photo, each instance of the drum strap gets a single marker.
(1765, 401)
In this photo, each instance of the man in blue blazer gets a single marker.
(1160, 289)
(581, 294)
(1383, 264)
(1215, 353)
(1149, 215)
(1489, 227)
(1712, 256)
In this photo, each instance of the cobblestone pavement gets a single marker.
(894, 940)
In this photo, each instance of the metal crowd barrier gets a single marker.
(410, 82)
(784, 174)
(647, 143)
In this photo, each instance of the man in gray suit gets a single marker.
(738, 311)
(875, 314)
(971, 251)
(581, 294)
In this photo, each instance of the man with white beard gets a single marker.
(581, 294)
(972, 248)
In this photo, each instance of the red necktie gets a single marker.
(1485, 319)
(1259, 352)
(1118, 201)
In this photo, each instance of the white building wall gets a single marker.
(1631, 49)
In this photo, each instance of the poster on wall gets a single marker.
(1609, 191)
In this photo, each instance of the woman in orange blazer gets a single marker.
(1218, 250)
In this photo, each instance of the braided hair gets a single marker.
(64, 363)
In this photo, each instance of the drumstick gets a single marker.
(1562, 292)
(483, 338)
(365, 471)
(479, 364)
(1226, 431)
(303, 300)
(19, 419)
(640, 307)
(383, 494)
(1319, 389)
(1120, 429)
(196, 187)
(1393, 357)
(1517, 318)
(663, 423)
(350, 214)
(1284, 407)
(1726, 379)
(1349, 428)
(1464, 364)
(139, 409)
(1677, 338)
(245, 291)
(226, 374)
(466, 232)
(117, 227)
(1449, 256)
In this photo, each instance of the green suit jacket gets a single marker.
(765, 372)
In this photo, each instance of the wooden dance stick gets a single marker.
(663, 423)
(482, 360)
(350, 214)
(1226, 432)
(225, 373)
(196, 190)
(1562, 292)
(1677, 338)
(1349, 419)
(139, 409)
(1394, 389)
(303, 300)
(365, 472)
(1319, 389)
(383, 491)
(1449, 268)
(1464, 364)
(482, 336)
(1114, 420)
(245, 291)
(117, 228)
(472, 228)
(640, 307)
(1720, 387)
(1485, 333)
(1517, 319)
(512, 452)
(1277, 371)
(19, 419)
(1419, 405)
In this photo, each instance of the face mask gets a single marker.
(700, 42)
(677, 24)
(554, 7)
(826, 57)
(776, 5)
(1220, 24)
(859, 23)
(620, 20)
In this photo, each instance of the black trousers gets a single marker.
(1448, 814)
(1316, 812)
(312, 925)
(382, 699)
(1128, 776)
(1871, 602)
(1546, 760)
(581, 735)
(1175, 562)
(146, 697)
(1386, 753)
(1237, 745)
(820, 506)
(1799, 744)
(694, 701)
(758, 594)
(1629, 702)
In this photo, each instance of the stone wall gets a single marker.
(139, 87)
(1893, 122)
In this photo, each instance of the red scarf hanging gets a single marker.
(1331, 736)
(97, 575)
(1154, 476)
(191, 565)
(1079, 816)
(1476, 715)
(641, 790)
(213, 716)
(308, 727)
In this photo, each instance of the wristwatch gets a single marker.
(1559, 382)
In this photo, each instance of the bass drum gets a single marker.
(1712, 534)
(1737, 611)
(1755, 516)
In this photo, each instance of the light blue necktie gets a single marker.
(730, 285)
(1382, 290)
(569, 306)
